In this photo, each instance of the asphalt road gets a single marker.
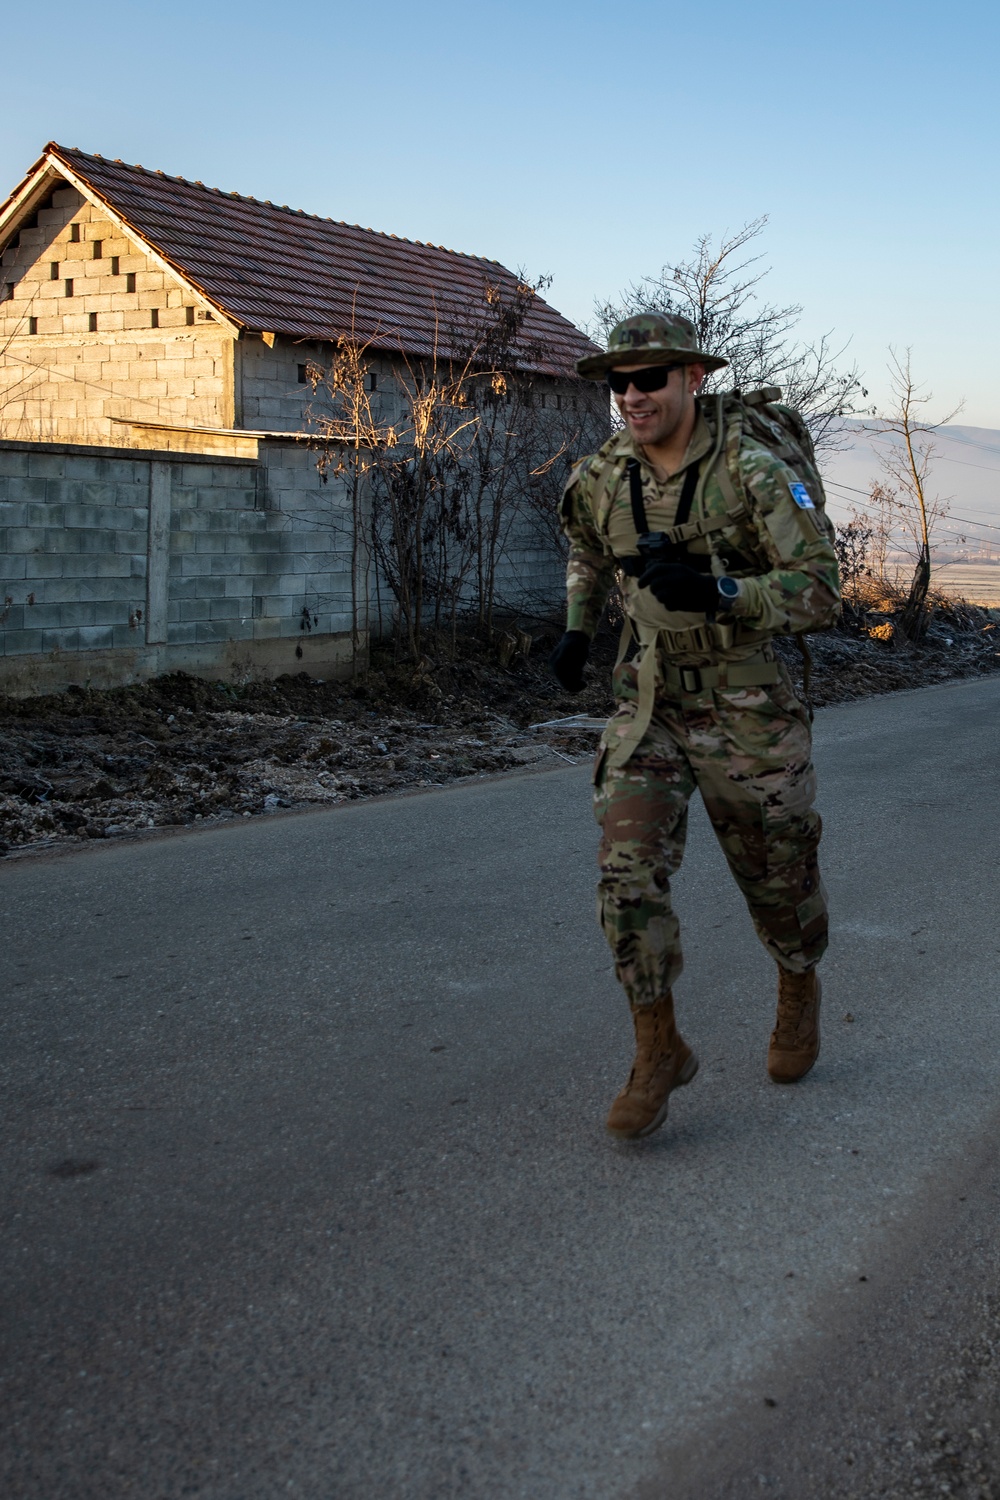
(306, 1190)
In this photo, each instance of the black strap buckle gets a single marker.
(691, 679)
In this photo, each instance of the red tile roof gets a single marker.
(281, 270)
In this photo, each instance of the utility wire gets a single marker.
(875, 432)
(834, 484)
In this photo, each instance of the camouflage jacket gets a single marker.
(782, 552)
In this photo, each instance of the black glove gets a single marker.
(569, 659)
(679, 587)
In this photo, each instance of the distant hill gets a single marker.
(965, 469)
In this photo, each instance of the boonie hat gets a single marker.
(650, 339)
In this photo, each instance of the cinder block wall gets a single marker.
(117, 565)
(271, 396)
(91, 329)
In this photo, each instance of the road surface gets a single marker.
(306, 1190)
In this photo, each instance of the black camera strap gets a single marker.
(639, 505)
(635, 495)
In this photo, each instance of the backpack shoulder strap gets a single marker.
(606, 474)
(728, 423)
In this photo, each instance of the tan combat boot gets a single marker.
(795, 1039)
(662, 1062)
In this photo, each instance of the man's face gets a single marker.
(653, 417)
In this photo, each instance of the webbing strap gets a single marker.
(639, 520)
(703, 527)
(629, 734)
(725, 482)
(716, 452)
(687, 494)
(755, 672)
(639, 517)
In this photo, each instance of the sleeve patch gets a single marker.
(802, 497)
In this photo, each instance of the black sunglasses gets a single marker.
(652, 378)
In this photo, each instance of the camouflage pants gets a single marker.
(748, 751)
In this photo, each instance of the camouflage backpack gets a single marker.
(782, 430)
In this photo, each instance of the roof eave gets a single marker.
(22, 202)
(58, 166)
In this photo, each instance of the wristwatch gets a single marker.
(729, 589)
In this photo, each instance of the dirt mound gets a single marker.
(180, 750)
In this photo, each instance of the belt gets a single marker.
(753, 672)
(679, 681)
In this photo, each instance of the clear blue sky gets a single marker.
(590, 141)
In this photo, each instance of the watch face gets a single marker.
(728, 588)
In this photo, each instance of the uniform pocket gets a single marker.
(767, 724)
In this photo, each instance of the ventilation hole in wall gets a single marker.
(74, 234)
(92, 322)
(98, 249)
(53, 270)
(189, 316)
(303, 374)
(68, 286)
(114, 265)
(32, 325)
(130, 281)
(154, 317)
(373, 382)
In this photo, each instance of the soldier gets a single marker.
(747, 554)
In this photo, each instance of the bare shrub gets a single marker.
(907, 463)
(472, 455)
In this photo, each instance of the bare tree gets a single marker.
(906, 461)
(439, 490)
(401, 476)
(718, 290)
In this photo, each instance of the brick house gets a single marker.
(154, 339)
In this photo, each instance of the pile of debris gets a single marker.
(868, 653)
(179, 750)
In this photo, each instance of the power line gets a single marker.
(957, 437)
(949, 434)
(942, 458)
(867, 505)
(950, 438)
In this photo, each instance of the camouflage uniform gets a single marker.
(741, 737)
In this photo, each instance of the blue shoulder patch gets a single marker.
(802, 497)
